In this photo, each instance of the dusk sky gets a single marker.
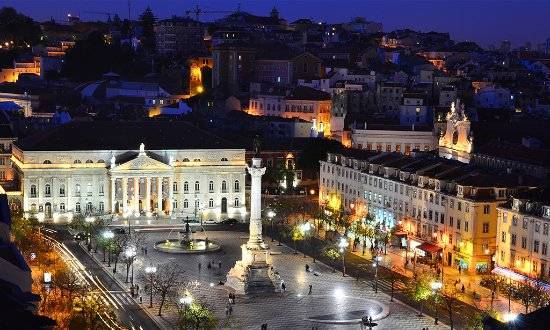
(483, 21)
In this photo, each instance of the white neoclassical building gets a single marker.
(132, 169)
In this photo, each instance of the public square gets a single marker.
(334, 299)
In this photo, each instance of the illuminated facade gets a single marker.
(456, 142)
(438, 202)
(523, 235)
(186, 173)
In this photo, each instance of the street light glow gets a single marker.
(187, 300)
(436, 285)
(270, 214)
(510, 317)
(150, 269)
(108, 234)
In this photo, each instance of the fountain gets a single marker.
(187, 244)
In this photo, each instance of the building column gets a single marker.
(113, 194)
(159, 194)
(124, 194)
(69, 194)
(147, 194)
(170, 195)
(136, 195)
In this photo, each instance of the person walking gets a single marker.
(220, 265)
(310, 288)
(283, 286)
(463, 289)
(209, 266)
(200, 266)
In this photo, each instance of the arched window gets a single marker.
(101, 161)
(89, 207)
(185, 160)
(197, 203)
(62, 190)
(197, 186)
(211, 186)
(224, 186)
(47, 190)
(236, 204)
(186, 187)
(237, 186)
(77, 161)
(175, 187)
(210, 203)
(77, 207)
(197, 160)
(185, 204)
(89, 161)
(33, 190)
(224, 159)
(46, 162)
(62, 207)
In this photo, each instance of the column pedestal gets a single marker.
(253, 274)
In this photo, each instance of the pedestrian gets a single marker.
(137, 289)
(140, 299)
(307, 268)
(463, 289)
(310, 288)
(200, 266)
(230, 309)
(227, 310)
(220, 265)
(209, 265)
(145, 251)
(283, 286)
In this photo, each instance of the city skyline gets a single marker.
(462, 19)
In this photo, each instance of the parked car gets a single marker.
(230, 222)
(80, 236)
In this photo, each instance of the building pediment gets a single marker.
(141, 163)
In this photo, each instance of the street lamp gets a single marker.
(108, 235)
(89, 220)
(131, 253)
(377, 260)
(510, 317)
(436, 286)
(150, 271)
(186, 301)
(343, 244)
(271, 215)
(304, 229)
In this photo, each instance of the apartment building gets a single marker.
(447, 210)
(523, 235)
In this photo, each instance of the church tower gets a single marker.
(274, 13)
(456, 142)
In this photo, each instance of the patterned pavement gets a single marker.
(332, 294)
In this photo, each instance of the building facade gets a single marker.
(400, 139)
(438, 203)
(180, 175)
(456, 141)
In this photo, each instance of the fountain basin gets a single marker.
(179, 246)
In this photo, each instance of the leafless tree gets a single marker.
(530, 294)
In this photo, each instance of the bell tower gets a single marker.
(457, 141)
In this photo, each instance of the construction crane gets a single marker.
(102, 13)
(197, 11)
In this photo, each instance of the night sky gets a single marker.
(484, 21)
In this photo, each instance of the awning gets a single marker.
(514, 276)
(429, 247)
(400, 234)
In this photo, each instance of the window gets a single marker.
(89, 207)
(524, 243)
(503, 237)
(197, 186)
(210, 203)
(186, 187)
(537, 227)
(101, 207)
(458, 224)
(77, 190)
(459, 206)
(466, 225)
(77, 207)
(62, 207)
(89, 189)
(236, 202)
(536, 246)
(451, 221)
(514, 221)
(33, 191)
(101, 190)
(486, 209)
(224, 186)
(545, 229)
(45, 162)
(525, 224)
(185, 204)
(485, 227)
(89, 161)
(174, 204)
(544, 250)
(237, 186)
(47, 190)
(513, 241)
(224, 159)
(197, 203)
(77, 161)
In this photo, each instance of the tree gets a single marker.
(16, 27)
(196, 316)
(449, 296)
(165, 282)
(419, 289)
(91, 310)
(117, 245)
(333, 254)
(394, 277)
(530, 294)
(492, 282)
(147, 21)
(68, 283)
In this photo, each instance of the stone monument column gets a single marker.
(255, 240)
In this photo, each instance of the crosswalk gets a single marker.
(385, 285)
(121, 297)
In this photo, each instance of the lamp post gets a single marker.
(270, 215)
(186, 301)
(305, 228)
(150, 271)
(108, 235)
(89, 220)
(436, 286)
(130, 253)
(377, 260)
(343, 244)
